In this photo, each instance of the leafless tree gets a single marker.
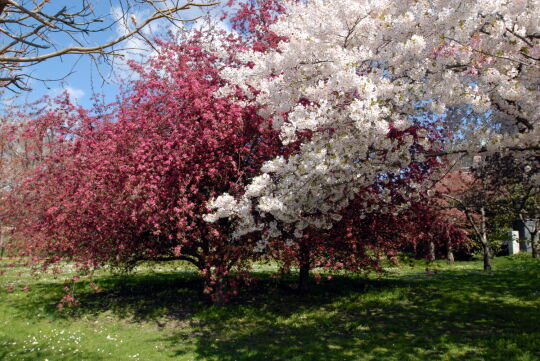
(33, 31)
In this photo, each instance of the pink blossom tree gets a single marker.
(130, 182)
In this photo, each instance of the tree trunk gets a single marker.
(1, 243)
(215, 290)
(484, 239)
(431, 255)
(219, 293)
(303, 277)
(449, 253)
(487, 257)
(534, 245)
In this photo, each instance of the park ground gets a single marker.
(450, 312)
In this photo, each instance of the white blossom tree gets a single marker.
(350, 71)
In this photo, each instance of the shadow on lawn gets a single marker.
(468, 317)
(451, 315)
(137, 297)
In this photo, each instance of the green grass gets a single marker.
(456, 313)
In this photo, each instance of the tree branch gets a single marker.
(98, 48)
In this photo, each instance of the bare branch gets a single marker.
(33, 33)
(31, 13)
(3, 4)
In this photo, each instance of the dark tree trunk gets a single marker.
(449, 253)
(1, 244)
(219, 292)
(303, 277)
(484, 239)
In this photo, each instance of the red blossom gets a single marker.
(130, 182)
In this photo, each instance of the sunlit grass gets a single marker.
(456, 312)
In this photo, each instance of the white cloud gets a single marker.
(74, 93)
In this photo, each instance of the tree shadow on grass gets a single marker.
(137, 297)
(448, 316)
(396, 320)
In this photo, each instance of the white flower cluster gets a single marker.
(352, 67)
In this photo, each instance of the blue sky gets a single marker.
(83, 77)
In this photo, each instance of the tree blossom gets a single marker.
(347, 74)
(131, 182)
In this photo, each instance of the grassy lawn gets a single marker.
(457, 313)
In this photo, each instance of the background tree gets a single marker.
(516, 183)
(475, 199)
(434, 231)
(22, 147)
